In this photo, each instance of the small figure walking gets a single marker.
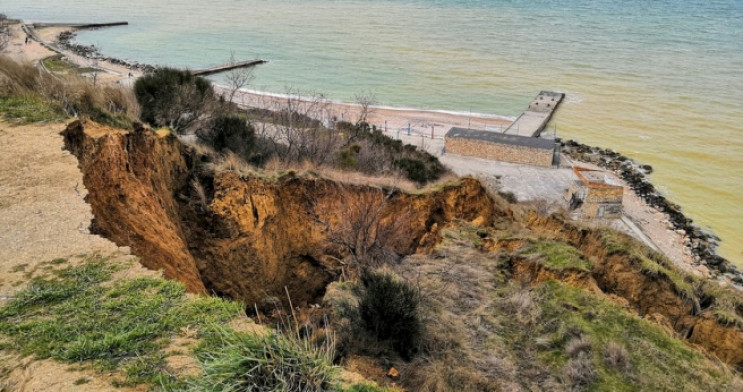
(26, 40)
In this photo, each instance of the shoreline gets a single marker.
(425, 123)
(421, 123)
(699, 246)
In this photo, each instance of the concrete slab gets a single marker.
(527, 183)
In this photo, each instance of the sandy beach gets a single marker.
(45, 44)
(426, 123)
(424, 128)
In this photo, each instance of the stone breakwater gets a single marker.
(66, 40)
(702, 244)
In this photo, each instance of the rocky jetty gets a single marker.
(701, 243)
(66, 39)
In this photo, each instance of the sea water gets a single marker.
(659, 81)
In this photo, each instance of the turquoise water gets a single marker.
(657, 80)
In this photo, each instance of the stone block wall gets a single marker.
(499, 152)
(603, 203)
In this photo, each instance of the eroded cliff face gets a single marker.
(131, 180)
(252, 238)
(256, 239)
(292, 232)
(654, 296)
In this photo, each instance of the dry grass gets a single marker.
(616, 357)
(230, 162)
(277, 168)
(577, 346)
(483, 331)
(73, 94)
(523, 307)
(580, 371)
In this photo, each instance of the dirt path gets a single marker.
(43, 216)
(42, 211)
(33, 51)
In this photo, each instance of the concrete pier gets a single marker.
(226, 67)
(532, 121)
(79, 25)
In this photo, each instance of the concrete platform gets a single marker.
(532, 121)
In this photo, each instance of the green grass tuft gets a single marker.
(614, 243)
(557, 256)
(57, 64)
(73, 318)
(29, 109)
(124, 326)
(236, 361)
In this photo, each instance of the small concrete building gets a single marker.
(502, 147)
(594, 195)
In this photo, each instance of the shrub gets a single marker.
(509, 196)
(414, 170)
(233, 133)
(420, 166)
(388, 309)
(173, 98)
(348, 158)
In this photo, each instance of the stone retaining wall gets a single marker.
(499, 152)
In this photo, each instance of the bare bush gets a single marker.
(4, 32)
(365, 100)
(616, 357)
(237, 78)
(362, 226)
(293, 126)
(576, 346)
(524, 307)
(580, 372)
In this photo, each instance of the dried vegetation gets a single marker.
(31, 94)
